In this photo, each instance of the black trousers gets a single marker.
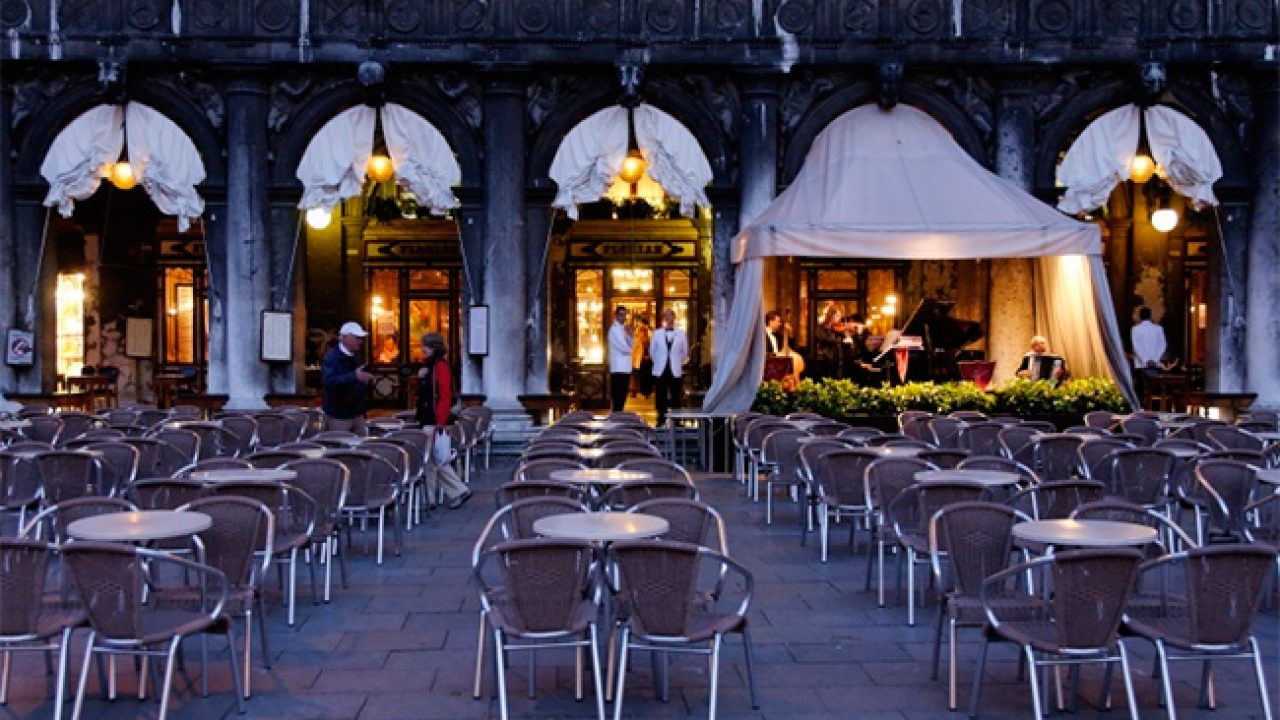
(670, 392)
(619, 386)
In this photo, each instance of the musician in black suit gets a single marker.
(773, 332)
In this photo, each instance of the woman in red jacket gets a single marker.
(435, 398)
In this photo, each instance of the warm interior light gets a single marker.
(318, 218)
(633, 167)
(1141, 168)
(380, 168)
(1164, 219)
(891, 299)
(122, 175)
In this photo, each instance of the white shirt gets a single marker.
(1149, 343)
(669, 345)
(620, 345)
(772, 339)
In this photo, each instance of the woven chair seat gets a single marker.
(511, 623)
(702, 625)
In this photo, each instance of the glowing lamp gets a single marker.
(1141, 168)
(380, 168)
(318, 218)
(122, 175)
(633, 167)
(1164, 219)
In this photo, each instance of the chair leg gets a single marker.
(952, 665)
(751, 671)
(480, 643)
(715, 675)
(622, 674)
(768, 500)
(167, 690)
(293, 584)
(248, 651)
(595, 670)
(84, 677)
(1128, 683)
(4, 677)
(911, 587)
(502, 673)
(240, 689)
(880, 572)
(1262, 679)
(1033, 679)
(1166, 682)
(382, 524)
(262, 632)
(60, 690)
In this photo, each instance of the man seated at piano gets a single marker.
(1038, 364)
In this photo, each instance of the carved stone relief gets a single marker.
(404, 16)
(1250, 16)
(463, 95)
(33, 90)
(859, 17)
(972, 93)
(925, 17)
(471, 16)
(986, 18)
(1052, 17)
(546, 94)
(799, 96)
(1120, 17)
(796, 16)
(728, 18)
(275, 15)
(14, 14)
(719, 96)
(207, 16)
(146, 14)
(534, 17)
(663, 17)
(341, 17)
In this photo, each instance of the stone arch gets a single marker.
(315, 112)
(35, 138)
(1076, 114)
(862, 92)
(660, 93)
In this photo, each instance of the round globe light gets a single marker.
(318, 218)
(633, 167)
(1164, 219)
(1141, 168)
(122, 175)
(380, 168)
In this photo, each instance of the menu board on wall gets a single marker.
(138, 333)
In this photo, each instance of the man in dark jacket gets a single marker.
(344, 379)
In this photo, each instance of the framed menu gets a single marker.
(277, 336)
(478, 330)
(138, 333)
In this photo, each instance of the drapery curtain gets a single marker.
(894, 184)
(424, 162)
(165, 161)
(333, 165)
(590, 157)
(1099, 159)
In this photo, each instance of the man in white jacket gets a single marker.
(1149, 345)
(621, 342)
(669, 348)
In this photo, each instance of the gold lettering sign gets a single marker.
(388, 252)
(650, 250)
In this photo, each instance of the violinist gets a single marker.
(829, 343)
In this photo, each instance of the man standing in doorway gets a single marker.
(344, 378)
(1149, 345)
(621, 342)
(669, 348)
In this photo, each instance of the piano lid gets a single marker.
(932, 320)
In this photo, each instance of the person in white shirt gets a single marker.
(1149, 345)
(621, 342)
(669, 348)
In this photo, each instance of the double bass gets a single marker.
(792, 380)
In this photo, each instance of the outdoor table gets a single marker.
(243, 475)
(1268, 435)
(705, 432)
(590, 454)
(1084, 533)
(804, 424)
(1182, 453)
(987, 478)
(12, 425)
(601, 527)
(588, 439)
(601, 476)
(312, 453)
(1270, 476)
(898, 451)
(140, 526)
(192, 424)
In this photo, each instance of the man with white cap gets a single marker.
(344, 379)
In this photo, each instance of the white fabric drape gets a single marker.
(675, 158)
(590, 158)
(896, 185)
(1185, 154)
(424, 162)
(1099, 160)
(73, 166)
(333, 166)
(166, 163)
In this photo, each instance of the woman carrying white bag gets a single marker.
(435, 397)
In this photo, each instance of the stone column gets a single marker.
(537, 231)
(8, 287)
(287, 250)
(1225, 362)
(215, 214)
(503, 264)
(758, 180)
(1010, 310)
(35, 282)
(248, 274)
(1263, 338)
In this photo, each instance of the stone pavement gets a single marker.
(400, 643)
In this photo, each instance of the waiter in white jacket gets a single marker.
(621, 341)
(1149, 345)
(669, 348)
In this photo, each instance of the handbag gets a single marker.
(442, 449)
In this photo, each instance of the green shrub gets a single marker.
(839, 398)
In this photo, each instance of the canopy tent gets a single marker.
(590, 158)
(895, 185)
(164, 159)
(333, 166)
(1099, 159)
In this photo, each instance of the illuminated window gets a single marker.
(426, 316)
(837, 280)
(428, 279)
(70, 308)
(882, 301)
(179, 315)
(384, 316)
(590, 314)
(632, 280)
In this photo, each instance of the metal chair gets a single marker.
(541, 469)
(780, 453)
(910, 513)
(66, 474)
(838, 490)
(325, 481)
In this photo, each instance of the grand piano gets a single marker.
(944, 337)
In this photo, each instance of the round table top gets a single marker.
(1271, 476)
(804, 424)
(601, 526)
(899, 450)
(14, 424)
(1268, 435)
(588, 438)
(599, 476)
(1084, 533)
(1180, 451)
(990, 478)
(312, 453)
(590, 453)
(243, 474)
(191, 424)
(139, 526)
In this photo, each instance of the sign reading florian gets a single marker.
(652, 250)
(394, 252)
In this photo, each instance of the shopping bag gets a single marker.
(442, 449)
